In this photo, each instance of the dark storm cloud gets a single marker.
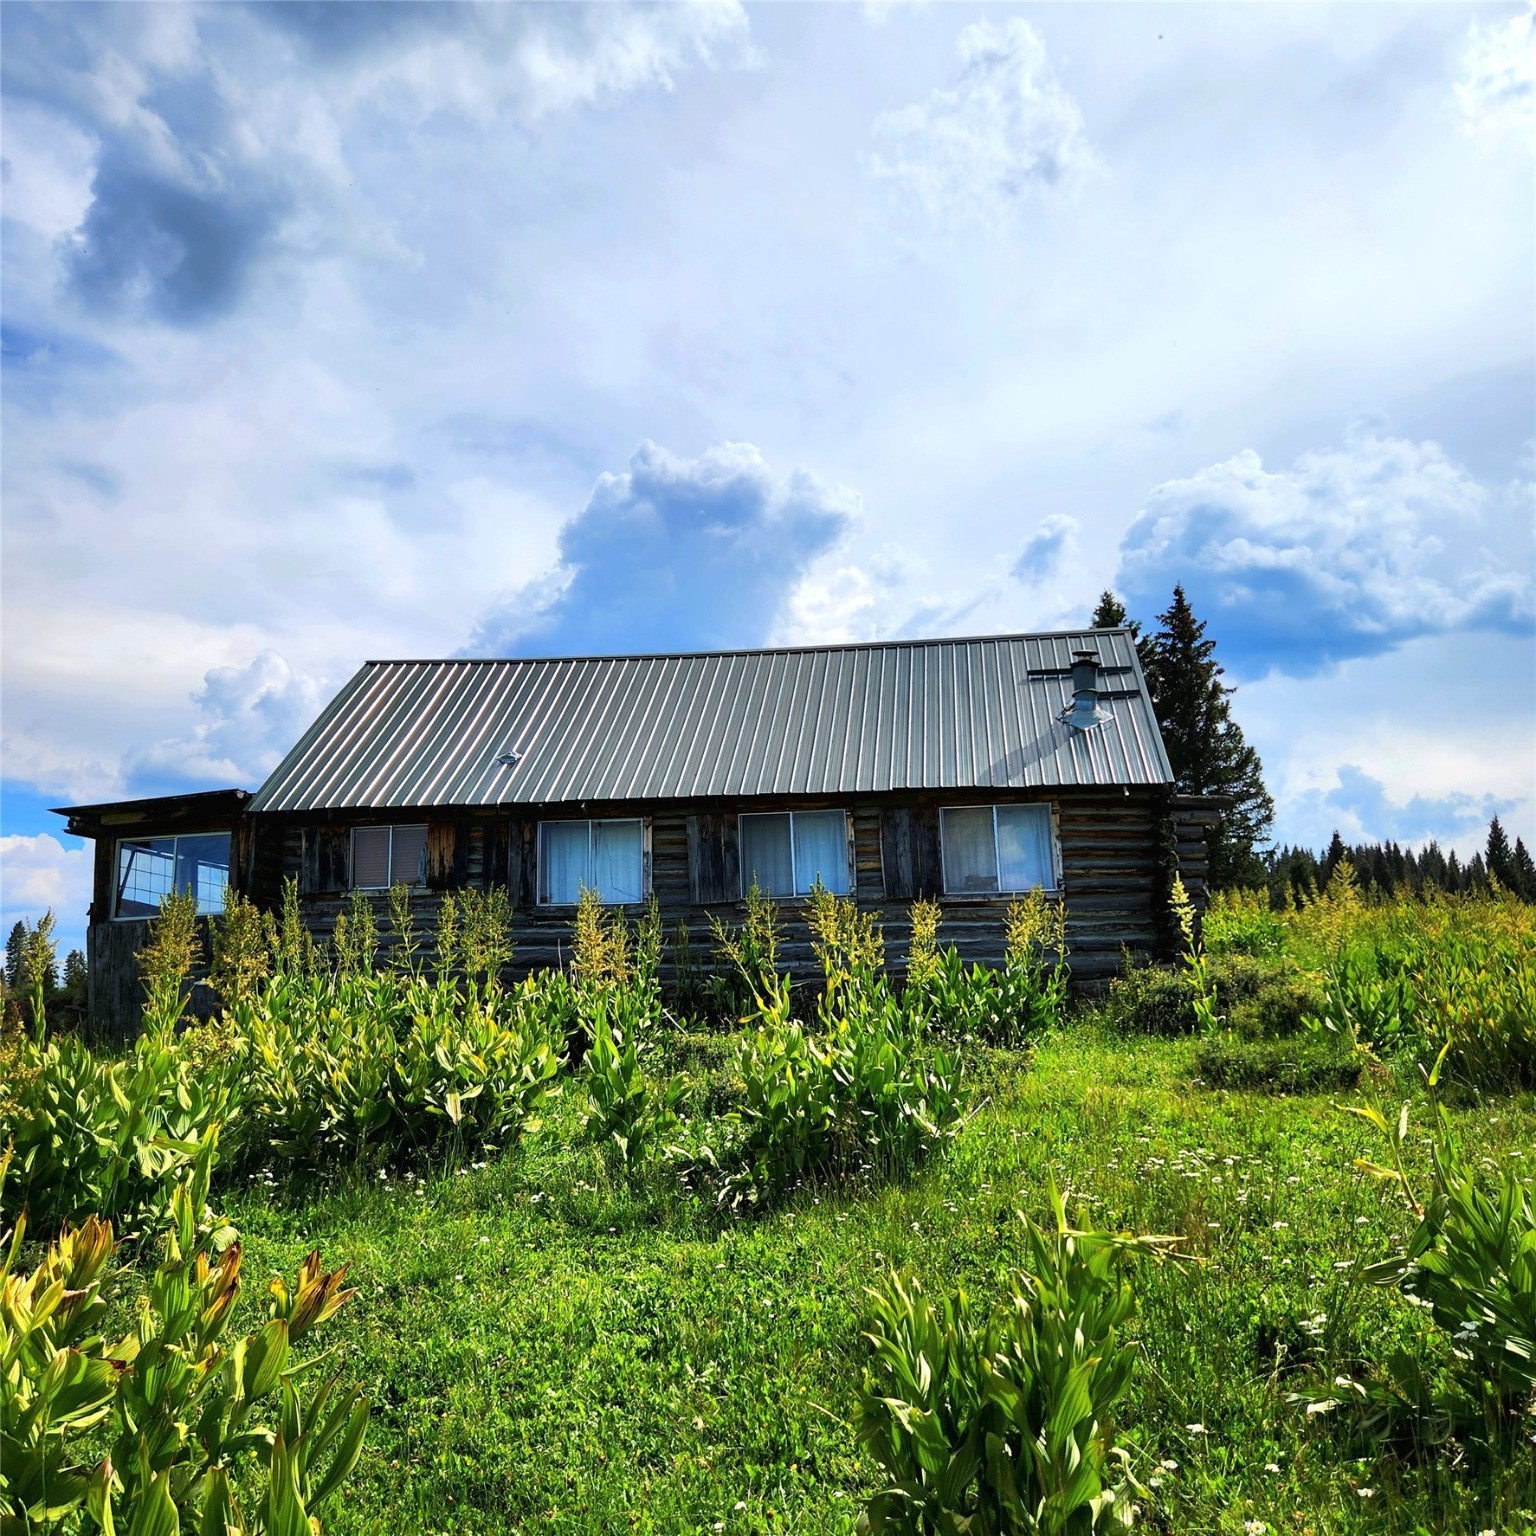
(182, 256)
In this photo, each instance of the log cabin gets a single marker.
(966, 771)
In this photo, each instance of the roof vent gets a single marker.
(510, 759)
(1083, 713)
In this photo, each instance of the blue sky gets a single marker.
(341, 332)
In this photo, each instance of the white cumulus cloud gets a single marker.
(1006, 130)
(689, 553)
(1497, 88)
(1350, 552)
(249, 716)
(39, 874)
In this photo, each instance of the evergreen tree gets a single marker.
(1433, 868)
(1525, 872)
(1336, 851)
(1501, 858)
(1477, 875)
(14, 946)
(1111, 614)
(1205, 744)
(74, 974)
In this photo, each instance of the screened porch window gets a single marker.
(996, 849)
(150, 868)
(386, 856)
(603, 856)
(787, 852)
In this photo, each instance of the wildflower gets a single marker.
(485, 1239)
(1366, 1493)
(1271, 1466)
(1197, 1429)
(1279, 1226)
(1254, 1528)
(1169, 1466)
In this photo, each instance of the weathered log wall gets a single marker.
(116, 992)
(1119, 851)
(1111, 871)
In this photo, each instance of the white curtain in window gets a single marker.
(970, 855)
(1024, 847)
(821, 849)
(408, 864)
(618, 861)
(765, 854)
(563, 860)
(370, 857)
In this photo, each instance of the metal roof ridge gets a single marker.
(743, 650)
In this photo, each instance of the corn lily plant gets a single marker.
(178, 1402)
(999, 1421)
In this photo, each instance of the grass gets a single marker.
(552, 1350)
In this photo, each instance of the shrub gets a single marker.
(177, 1407)
(1256, 999)
(1297, 1064)
(1150, 1000)
(1278, 1008)
(1001, 1419)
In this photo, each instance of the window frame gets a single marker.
(418, 884)
(743, 875)
(644, 823)
(160, 837)
(1054, 889)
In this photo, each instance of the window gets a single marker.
(989, 849)
(149, 868)
(604, 856)
(386, 856)
(786, 852)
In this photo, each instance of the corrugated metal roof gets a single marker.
(907, 715)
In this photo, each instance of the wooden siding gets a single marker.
(1112, 876)
(1119, 851)
(116, 996)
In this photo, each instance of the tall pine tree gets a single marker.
(1501, 857)
(14, 945)
(1205, 744)
(1525, 871)
(1111, 614)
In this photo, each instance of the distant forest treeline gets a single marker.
(1298, 874)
